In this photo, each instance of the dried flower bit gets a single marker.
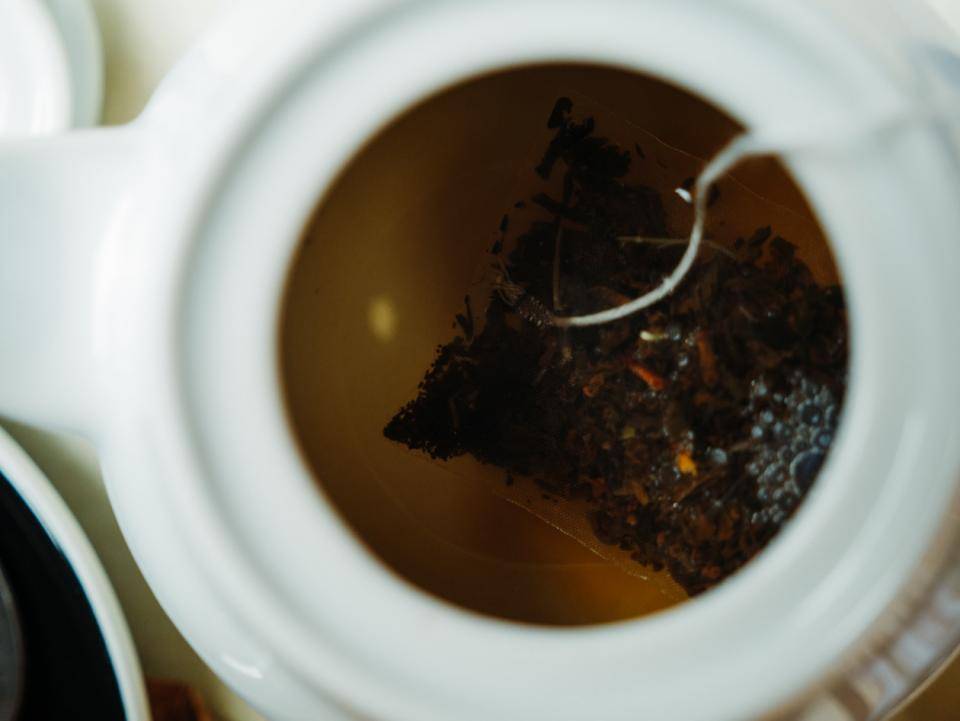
(593, 385)
(652, 379)
(685, 464)
(649, 336)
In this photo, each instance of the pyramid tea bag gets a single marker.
(682, 435)
(433, 210)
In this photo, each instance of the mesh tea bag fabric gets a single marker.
(680, 432)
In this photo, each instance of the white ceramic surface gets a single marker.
(80, 37)
(50, 66)
(180, 515)
(35, 92)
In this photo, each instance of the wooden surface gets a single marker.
(174, 701)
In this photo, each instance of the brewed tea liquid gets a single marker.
(383, 269)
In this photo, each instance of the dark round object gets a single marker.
(806, 467)
(11, 653)
(67, 672)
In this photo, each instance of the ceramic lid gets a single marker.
(51, 67)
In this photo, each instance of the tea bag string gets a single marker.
(715, 169)
(750, 144)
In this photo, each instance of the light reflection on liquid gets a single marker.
(382, 318)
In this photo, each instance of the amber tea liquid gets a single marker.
(384, 267)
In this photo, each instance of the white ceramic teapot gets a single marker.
(141, 284)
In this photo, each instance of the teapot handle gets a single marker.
(59, 198)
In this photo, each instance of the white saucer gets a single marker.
(60, 528)
(51, 66)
